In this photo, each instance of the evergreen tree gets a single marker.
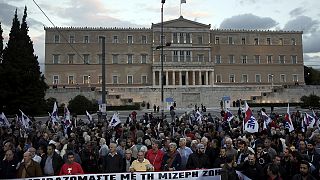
(25, 86)
(1, 43)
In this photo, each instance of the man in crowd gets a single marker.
(29, 168)
(8, 166)
(52, 162)
(184, 152)
(141, 164)
(113, 161)
(198, 160)
(304, 172)
(155, 155)
(71, 167)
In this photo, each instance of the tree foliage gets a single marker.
(79, 105)
(22, 84)
(312, 76)
(311, 101)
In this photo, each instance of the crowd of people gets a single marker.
(156, 144)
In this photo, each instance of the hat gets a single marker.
(200, 146)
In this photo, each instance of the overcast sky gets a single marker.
(301, 15)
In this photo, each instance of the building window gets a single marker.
(268, 41)
(99, 58)
(163, 39)
(86, 79)
(243, 40)
(218, 78)
(232, 78)
(231, 59)
(200, 57)
(244, 59)
(188, 56)
(283, 78)
(257, 59)
(217, 40)
(99, 79)
(218, 59)
(181, 56)
(71, 39)
(281, 59)
(70, 79)
(86, 59)
(144, 79)
(270, 78)
(56, 58)
(293, 41)
(280, 41)
(188, 38)
(258, 78)
(115, 59)
(175, 56)
(55, 79)
(56, 39)
(181, 38)
(115, 39)
(144, 39)
(129, 79)
(114, 79)
(70, 58)
(269, 59)
(143, 59)
(164, 58)
(86, 39)
(129, 61)
(295, 78)
(256, 41)
(244, 78)
(200, 40)
(230, 40)
(130, 39)
(294, 59)
(175, 38)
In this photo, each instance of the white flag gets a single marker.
(89, 116)
(115, 120)
(183, 1)
(3, 120)
(250, 123)
(288, 121)
(25, 120)
(54, 114)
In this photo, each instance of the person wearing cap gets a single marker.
(199, 159)
(155, 155)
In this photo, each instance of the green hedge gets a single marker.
(273, 104)
(135, 106)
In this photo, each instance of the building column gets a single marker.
(212, 78)
(193, 77)
(160, 79)
(180, 78)
(154, 78)
(207, 78)
(173, 78)
(187, 78)
(200, 80)
(167, 78)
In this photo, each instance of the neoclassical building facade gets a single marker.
(196, 57)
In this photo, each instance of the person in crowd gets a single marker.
(304, 172)
(263, 157)
(113, 161)
(313, 156)
(89, 157)
(273, 172)
(221, 160)
(127, 160)
(199, 159)
(141, 164)
(34, 156)
(251, 168)
(29, 168)
(8, 166)
(184, 152)
(172, 159)
(228, 170)
(71, 167)
(243, 152)
(229, 147)
(269, 149)
(155, 155)
(52, 162)
(71, 148)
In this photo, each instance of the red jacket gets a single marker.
(155, 158)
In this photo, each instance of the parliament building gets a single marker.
(195, 58)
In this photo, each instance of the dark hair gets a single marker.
(52, 145)
(273, 168)
(305, 162)
(229, 158)
(70, 154)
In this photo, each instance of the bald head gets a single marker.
(27, 157)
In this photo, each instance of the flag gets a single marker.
(67, 117)
(316, 119)
(89, 116)
(303, 124)
(266, 119)
(288, 121)
(309, 120)
(3, 120)
(250, 123)
(228, 116)
(183, 1)
(115, 120)
(25, 120)
(54, 114)
(199, 117)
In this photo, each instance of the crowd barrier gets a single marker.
(201, 174)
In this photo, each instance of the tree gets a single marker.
(25, 89)
(80, 104)
(1, 43)
(312, 76)
(310, 101)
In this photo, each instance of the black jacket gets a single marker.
(198, 161)
(113, 164)
(57, 163)
(8, 169)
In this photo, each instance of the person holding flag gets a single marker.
(4, 121)
(287, 120)
(89, 117)
(266, 119)
(250, 123)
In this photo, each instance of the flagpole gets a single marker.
(180, 8)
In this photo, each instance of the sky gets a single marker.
(297, 15)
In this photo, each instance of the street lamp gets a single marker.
(103, 71)
(162, 102)
(272, 81)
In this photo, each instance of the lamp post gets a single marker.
(162, 78)
(272, 81)
(103, 71)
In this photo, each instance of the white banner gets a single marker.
(203, 174)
